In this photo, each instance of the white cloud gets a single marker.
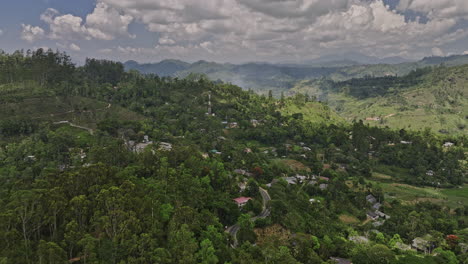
(31, 33)
(1, 32)
(437, 9)
(437, 52)
(75, 47)
(104, 23)
(266, 29)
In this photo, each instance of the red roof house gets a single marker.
(241, 201)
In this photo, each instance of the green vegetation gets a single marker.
(147, 168)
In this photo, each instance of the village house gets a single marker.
(406, 142)
(423, 244)
(371, 199)
(165, 146)
(448, 144)
(323, 186)
(359, 239)
(241, 201)
(430, 173)
(233, 125)
(373, 216)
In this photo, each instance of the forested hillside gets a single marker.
(145, 169)
(434, 98)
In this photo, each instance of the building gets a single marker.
(359, 239)
(372, 215)
(165, 146)
(448, 144)
(323, 186)
(241, 201)
(423, 244)
(371, 199)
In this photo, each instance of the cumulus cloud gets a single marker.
(104, 23)
(75, 47)
(31, 33)
(266, 29)
(436, 9)
(437, 52)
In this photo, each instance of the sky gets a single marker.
(236, 31)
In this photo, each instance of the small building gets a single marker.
(423, 244)
(233, 125)
(359, 239)
(306, 149)
(377, 206)
(371, 199)
(448, 144)
(241, 201)
(255, 122)
(430, 173)
(164, 146)
(324, 178)
(406, 142)
(290, 180)
(323, 186)
(372, 215)
(247, 150)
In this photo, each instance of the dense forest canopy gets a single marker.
(155, 183)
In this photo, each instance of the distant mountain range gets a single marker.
(262, 77)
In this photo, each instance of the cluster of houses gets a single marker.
(374, 213)
(141, 146)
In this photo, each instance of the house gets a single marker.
(233, 125)
(205, 155)
(247, 150)
(323, 186)
(381, 214)
(290, 180)
(255, 122)
(430, 173)
(372, 215)
(359, 239)
(324, 178)
(306, 149)
(406, 142)
(240, 171)
(377, 206)
(301, 178)
(423, 244)
(371, 199)
(165, 146)
(242, 186)
(448, 144)
(241, 201)
(340, 260)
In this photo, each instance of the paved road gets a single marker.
(232, 230)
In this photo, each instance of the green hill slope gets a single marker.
(436, 99)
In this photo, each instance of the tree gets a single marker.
(206, 254)
(183, 245)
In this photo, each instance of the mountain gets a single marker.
(163, 68)
(356, 58)
(198, 171)
(434, 98)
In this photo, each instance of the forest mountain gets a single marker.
(435, 100)
(100, 165)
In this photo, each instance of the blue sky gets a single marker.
(235, 30)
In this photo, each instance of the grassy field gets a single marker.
(452, 198)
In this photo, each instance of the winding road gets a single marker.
(232, 230)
